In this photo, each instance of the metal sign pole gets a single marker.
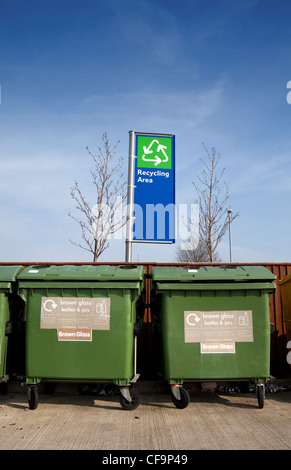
(130, 197)
(229, 222)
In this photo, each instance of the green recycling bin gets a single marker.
(10, 325)
(81, 326)
(214, 325)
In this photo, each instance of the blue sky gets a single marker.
(206, 71)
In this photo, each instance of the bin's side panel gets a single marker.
(186, 361)
(107, 356)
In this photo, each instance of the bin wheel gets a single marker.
(32, 397)
(261, 395)
(135, 400)
(185, 399)
(3, 388)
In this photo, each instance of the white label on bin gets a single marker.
(218, 328)
(217, 347)
(74, 335)
(75, 314)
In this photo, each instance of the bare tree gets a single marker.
(213, 198)
(105, 216)
(190, 253)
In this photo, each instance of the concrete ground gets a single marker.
(68, 420)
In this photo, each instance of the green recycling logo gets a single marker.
(154, 152)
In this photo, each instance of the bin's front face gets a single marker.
(77, 327)
(213, 328)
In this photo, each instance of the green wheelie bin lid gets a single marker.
(210, 277)
(8, 275)
(82, 273)
(212, 273)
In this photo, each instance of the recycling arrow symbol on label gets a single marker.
(49, 305)
(148, 152)
(196, 318)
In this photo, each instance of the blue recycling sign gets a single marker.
(154, 193)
